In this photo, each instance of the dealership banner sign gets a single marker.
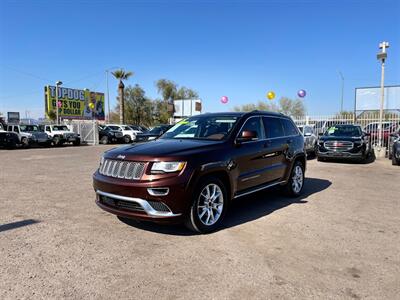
(74, 103)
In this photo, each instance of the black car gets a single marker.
(9, 140)
(394, 148)
(344, 142)
(108, 135)
(153, 134)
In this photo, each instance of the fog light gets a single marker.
(158, 191)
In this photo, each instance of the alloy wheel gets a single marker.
(210, 204)
(297, 179)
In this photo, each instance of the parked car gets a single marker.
(387, 129)
(8, 140)
(310, 139)
(193, 177)
(128, 133)
(345, 142)
(29, 134)
(107, 135)
(394, 148)
(152, 134)
(139, 128)
(61, 134)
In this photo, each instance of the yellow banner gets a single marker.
(74, 103)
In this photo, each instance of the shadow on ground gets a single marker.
(15, 225)
(244, 209)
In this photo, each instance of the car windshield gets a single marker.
(343, 131)
(60, 128)
(215, 127)
(126, 128)
(26, 128)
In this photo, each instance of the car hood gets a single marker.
(162, 148)
(339, 138)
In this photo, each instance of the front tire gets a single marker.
(127, 139)
(295, 184)
(25, 142)
(395, 162)
(104, 140)
(77, 142)
(209, 206)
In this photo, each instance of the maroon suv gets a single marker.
(198, 166)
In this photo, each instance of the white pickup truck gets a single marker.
(61, 134)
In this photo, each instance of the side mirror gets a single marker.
(247, 135)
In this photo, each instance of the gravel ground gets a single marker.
(340, 240)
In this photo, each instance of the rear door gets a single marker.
(249, 156)
(275, 148)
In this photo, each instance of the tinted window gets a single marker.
(289, 127)
(254, 124)
(273, 127)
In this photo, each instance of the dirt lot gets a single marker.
(340, 240)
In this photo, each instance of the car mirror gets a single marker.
(246, 135)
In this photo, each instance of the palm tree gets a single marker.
(121, 75)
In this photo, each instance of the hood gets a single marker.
(147, 134)
(339, 138)
(163, 148)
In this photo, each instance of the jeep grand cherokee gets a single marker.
(199, 165)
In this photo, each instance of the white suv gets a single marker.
(61, 134)
(128, 133)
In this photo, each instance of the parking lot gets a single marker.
(339, 240)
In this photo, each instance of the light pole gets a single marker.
(58, 83)
(341, 99)
(381, 56)
(108, 94)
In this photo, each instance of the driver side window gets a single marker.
(254, 124)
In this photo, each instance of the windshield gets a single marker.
(202, 127)
(60, 128)
(343, 131)
(26, 128)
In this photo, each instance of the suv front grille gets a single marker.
(338, 146)
(122, 169)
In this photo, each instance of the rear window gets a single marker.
(273, 127)
(289, 127)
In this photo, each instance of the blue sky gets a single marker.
(240, 49)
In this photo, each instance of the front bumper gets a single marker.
(132, 199)
(337, 154)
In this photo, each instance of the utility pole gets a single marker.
(108, 99)
(341, 99)
(58, 83)
(382, 57)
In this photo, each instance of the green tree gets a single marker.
(294, 108)
(139, 109)
(121, 75)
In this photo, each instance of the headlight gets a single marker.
(167, 167)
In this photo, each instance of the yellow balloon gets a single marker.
(91, 105)
(270, 95)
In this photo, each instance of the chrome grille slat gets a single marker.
(122, 169)
(338, 145)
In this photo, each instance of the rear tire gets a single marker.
(104, 140)
(395, 162)
(295, 184)
(209, 206)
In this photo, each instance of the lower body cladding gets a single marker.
(165, 202)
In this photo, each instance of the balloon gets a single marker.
(91, 105)
(224, 99)
(301, 93)
(59, 104)
(270, 95)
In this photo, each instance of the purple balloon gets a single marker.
(224, 99)
(301, 93)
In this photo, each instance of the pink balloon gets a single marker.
(224, 99)
(59, 104)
